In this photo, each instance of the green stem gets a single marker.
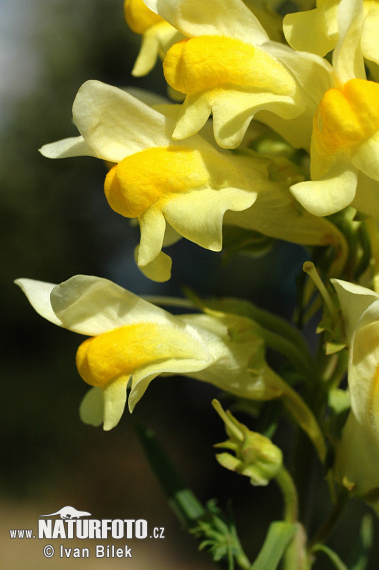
(295, 557)
(288, 489)
(241, 558)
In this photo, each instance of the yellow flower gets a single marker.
(157, 35)
(357, 455)
(345, 137)
(132, 342)
(190, 185)
(229, 67)
(317, 30)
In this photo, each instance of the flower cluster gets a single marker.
(274, 130)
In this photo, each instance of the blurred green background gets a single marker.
(55, 223)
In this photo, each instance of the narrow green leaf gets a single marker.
(278, 537)
(333, 556)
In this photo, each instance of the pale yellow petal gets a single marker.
(198, 216)
(309, 30)
(38, 294)
(366, 156)
(233, 111)
(153, 225)
(370, 38)
(148, 54)
(331, 194)
(91, 409)
(194, 114)
(115, 124)
(159, 269)
(199, 18)
(92, 305)
(188, 366)
(363, 372)
(114, 395)
(73, 146)
(347, 56)
(354, 300)
(357, 458)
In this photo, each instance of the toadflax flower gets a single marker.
(157, 35)
(345, 137)
(317, 30)
(357, 455)
(228, 66)
(190, 185)
(133, 341)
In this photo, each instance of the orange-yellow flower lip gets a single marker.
(208, 62)
(124, 350)
(346, 117)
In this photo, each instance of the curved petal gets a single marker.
(354, 300)
(65, 148)
(233, 111)
(211, 18)
(38, 294)
(114, 396)
(308, 31)
(153, 226)
(159, 269)
(366, 157)
(347, 56)
(330, 194)
(115, 124)
(187, 367)
(198, 216)
(193, 115)
(148, 54)
(91, 409)
(92, 305)
(370, 39)
(357, 457)
(363, 377)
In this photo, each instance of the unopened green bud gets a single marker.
(255, 456)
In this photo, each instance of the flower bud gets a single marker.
(255, 455)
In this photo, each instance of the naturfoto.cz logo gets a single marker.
(76, 524)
